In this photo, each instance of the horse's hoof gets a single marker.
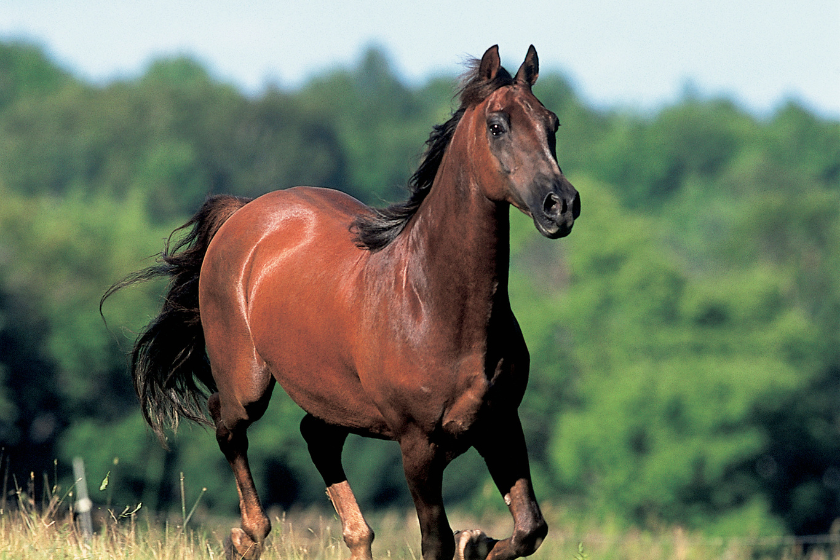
(472, 545)
(239, 546)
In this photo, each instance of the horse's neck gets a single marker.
(459, 247)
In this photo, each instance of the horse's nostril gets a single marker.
(554, 205)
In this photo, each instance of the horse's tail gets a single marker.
(169, 364)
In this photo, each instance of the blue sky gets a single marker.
(637, 54)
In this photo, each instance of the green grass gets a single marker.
(47, 529)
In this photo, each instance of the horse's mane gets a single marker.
(375, 230)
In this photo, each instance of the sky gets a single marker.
(633, 54)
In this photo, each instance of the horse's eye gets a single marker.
(496, 129)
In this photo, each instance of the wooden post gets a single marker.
(83, 502)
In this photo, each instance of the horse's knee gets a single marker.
(528, 537)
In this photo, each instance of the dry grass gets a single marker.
(49, 530)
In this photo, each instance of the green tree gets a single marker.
(659, 372)
(26, 72)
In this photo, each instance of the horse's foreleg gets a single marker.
(325, 443)
(503, 447)
(246, 542)
(423, 463)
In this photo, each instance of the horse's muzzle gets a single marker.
(559, 209)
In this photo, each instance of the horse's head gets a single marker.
(513, 142)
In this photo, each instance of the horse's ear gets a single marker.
(490, 64)
(530, 69)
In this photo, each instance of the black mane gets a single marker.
(378, 229)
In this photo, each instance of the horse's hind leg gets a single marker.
(232, 421)
(325, 443)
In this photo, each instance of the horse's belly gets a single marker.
(316, 375)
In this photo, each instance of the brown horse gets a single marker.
(391, 323)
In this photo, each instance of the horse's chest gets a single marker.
(491, 386)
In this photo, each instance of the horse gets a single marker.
(391, 323)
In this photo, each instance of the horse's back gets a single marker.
(301, 227)
(329, 210)
(280, 221)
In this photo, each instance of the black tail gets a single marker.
(169, 363)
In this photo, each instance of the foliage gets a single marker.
(685, 339)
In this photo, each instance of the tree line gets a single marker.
(684, 338)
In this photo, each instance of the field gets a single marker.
(49, 530)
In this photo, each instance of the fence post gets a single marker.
(83, 502)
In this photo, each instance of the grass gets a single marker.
(48, 528)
